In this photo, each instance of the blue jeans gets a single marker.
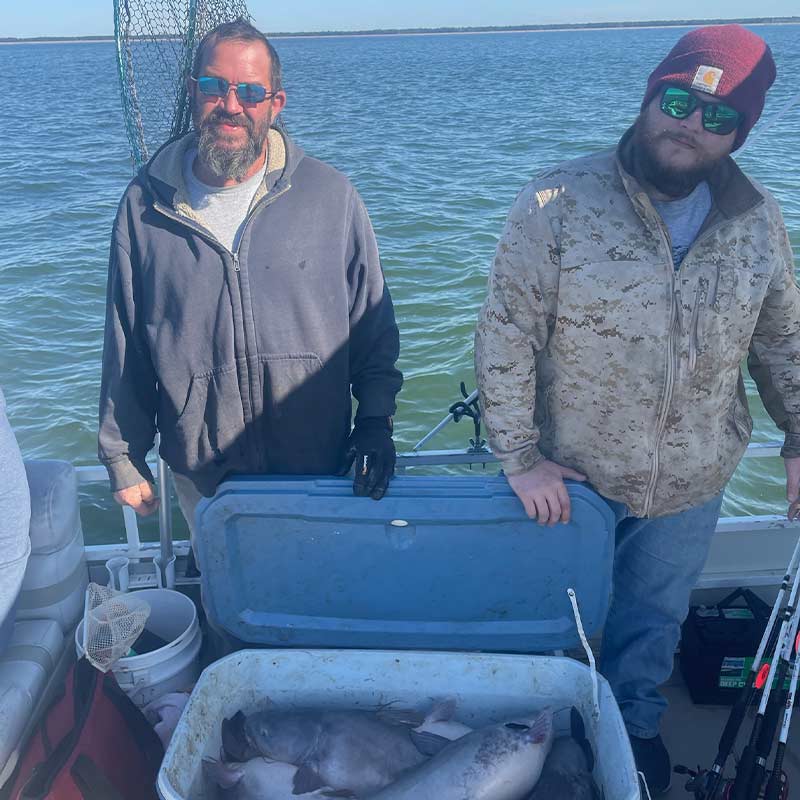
(656, 566)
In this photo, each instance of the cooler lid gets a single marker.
(440, 563)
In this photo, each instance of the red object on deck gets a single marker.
(92, 744)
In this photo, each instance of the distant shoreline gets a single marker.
(554, 28)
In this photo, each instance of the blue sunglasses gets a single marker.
(246, 92)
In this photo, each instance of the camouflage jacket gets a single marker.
(594, 351)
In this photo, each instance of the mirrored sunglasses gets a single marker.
(718, 118)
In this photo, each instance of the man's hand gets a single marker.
(543, 492)
(370, 445)
(140, 498)
(793, 486)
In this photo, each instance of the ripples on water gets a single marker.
(438, 133)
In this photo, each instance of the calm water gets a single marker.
(437, 132)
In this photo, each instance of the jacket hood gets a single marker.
(163, 174)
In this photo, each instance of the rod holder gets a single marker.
(165, 572)
(118, 569)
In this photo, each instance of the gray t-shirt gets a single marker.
(684, 218)
(221, 209)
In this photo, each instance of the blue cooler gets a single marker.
(356, 603)
(440, 563)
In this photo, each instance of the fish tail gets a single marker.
(223, 775)
(442, 711)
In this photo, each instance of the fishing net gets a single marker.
(112, 622)
(156, 41)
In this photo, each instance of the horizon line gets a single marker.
(674, 23)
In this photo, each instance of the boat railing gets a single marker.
(736, 532)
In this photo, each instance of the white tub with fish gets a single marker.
(414, 582)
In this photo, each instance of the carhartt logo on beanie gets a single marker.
(727, 61)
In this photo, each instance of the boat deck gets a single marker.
(691, 733)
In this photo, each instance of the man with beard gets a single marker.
(626, 290)
(245, 302)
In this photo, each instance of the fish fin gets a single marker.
(588, 754)
(226, 776)
(576, 724)
(400, 716)
(429, 744)
(306, 780)
(541, 728)
(442, 710)
(234, 741)
(578, 729)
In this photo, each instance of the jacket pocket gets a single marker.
(727, 280)
(727, 322)
(741, 420)
(736, 426)
(210, 426)
(306, 413)
(288, 379)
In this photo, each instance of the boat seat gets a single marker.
(25, 669)
(16, 706)
(32, 655)
(49, 607)
(56, 576)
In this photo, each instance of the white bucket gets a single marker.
(171, 668)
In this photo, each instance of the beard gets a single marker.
(223, 159)
(672, 181)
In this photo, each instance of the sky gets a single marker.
(95, 17)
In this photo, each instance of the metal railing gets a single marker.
(164, 551)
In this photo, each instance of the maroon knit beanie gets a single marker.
(726, 61)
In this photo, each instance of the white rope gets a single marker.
(590, 655)
(646, 787)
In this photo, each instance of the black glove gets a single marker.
(370, 445)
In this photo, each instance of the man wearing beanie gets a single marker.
(626, 290)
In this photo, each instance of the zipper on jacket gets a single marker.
(672, 360)
(247, 373)
(666, 400)
(208, 236)
(260, 455)
(671, 366)
(700, 297)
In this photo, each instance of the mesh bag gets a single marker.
(112, 622)
(156, 41)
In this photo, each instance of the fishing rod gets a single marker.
(776, 693)
(709, 783)
(753, 761)
(777, 788)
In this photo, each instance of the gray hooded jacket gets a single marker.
(244, 361)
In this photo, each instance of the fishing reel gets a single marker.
(470, 409)
(701, 781)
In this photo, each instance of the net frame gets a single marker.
(112, 622)
(156, 41)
